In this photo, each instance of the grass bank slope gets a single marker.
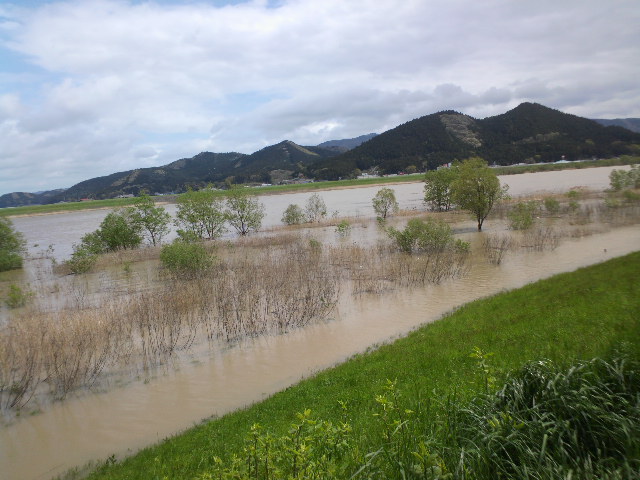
(571, 316)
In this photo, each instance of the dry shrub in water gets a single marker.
(496, 247)
(541, 238)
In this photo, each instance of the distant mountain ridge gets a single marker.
(632, 124)
(527, 133)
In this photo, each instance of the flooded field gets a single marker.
(213, 378)
(62, 230)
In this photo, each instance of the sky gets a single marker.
(92, 87)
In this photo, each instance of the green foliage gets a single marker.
(573, 194)
(631, 196)
(293, 215)
(244, 211)
(431, 236)
(185, 259)
(437, 188)
(385, 203)
(551, 205)
(311, 449)
(200, 215)
(522, 215)
(343, 229)
(152, 221)
(477, 189)
(545, 422)
(624, 179)
(12, 246)
(82, 259)
(17, 297)
(118, 231)
(315, 209)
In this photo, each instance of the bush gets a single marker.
(521, 216)
(82, 259)
(11, 246)
(343, 228)
(315, 208)
(430, 236)
(185, 259)
(293, 215)
(551, 205)
(17, 297)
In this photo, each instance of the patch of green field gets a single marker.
(568, 317)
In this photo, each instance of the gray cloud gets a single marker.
(114, 85)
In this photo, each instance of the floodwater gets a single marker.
(62, 230)
(127, 418)
(123, 420)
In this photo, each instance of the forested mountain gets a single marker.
(528, 133)
(632, 124)
(347, 143)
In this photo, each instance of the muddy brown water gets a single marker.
(128, 418)
(62, 230)
(124, 419)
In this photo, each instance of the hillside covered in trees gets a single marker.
(529, 133)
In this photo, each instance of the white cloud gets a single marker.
(115, 84)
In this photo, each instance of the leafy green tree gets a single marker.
(477, 188)
(293, 215)
(244, 212)
(200, 215)
(153, 221)
(12, 246)
(119, 231)
(385, 203)
(622, 179)
(315, 209)
(437, 188)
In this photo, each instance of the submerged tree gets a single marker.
(244, 212)
(200, 215)
(11, 246)
(385, 203)
(153, 221)
(315, 208)
(477, 188)
(437, 188)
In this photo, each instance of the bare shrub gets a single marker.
(496, 247)
(541, 238)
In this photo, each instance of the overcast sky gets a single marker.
(91, 87)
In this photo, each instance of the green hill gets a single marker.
(528, 133)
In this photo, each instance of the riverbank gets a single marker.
(570, 316)
(310, 187)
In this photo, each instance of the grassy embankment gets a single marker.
(275, 189)
(571, 316)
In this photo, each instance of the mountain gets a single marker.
(347, 143)
(528, 133)
(632, 124)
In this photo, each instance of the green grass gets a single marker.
(571, 316)
(604, 162)
(65, 207)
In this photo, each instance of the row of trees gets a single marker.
(470, 185)
(202, 215)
